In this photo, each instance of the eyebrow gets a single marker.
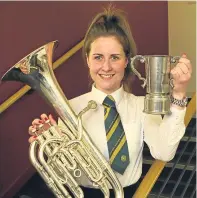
(96, 54)
(111, 54)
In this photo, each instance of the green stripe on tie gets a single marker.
(116, 139)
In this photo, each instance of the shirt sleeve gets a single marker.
(163, 135)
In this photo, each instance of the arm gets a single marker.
(163, 136)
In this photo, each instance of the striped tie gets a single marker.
(116, 139)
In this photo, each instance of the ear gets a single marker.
(126, 62)
(87, 60)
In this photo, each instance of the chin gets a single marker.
(107, 87)
(108, 90)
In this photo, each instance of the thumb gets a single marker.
(53, 122)
(174, 74)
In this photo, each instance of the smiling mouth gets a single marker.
(106, 75)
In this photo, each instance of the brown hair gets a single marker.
(112, 22)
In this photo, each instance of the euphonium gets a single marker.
(61, 155)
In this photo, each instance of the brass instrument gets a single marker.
(61, 155)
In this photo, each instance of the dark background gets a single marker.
(25, 26)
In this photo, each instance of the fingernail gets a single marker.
(34, 136)
(46, 119)
(40, 121)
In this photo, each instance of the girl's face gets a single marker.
(107, 63)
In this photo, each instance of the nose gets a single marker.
(106, 66)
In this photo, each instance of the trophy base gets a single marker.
(157, 104)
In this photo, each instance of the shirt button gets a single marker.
(123, 158)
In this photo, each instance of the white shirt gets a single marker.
(162, 136)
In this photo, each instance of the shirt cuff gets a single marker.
(174, 110)
(176, 120)
(179, 114)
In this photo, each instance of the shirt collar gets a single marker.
(99, 96)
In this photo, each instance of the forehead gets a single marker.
(109, 44)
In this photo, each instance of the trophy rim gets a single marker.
(158, 55)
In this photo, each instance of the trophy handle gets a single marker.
(142, 60)
(173, 60)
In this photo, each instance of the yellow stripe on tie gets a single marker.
(117, 149)
(107, 112)
(111, 131)
(109, 96)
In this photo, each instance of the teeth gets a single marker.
(106, 75)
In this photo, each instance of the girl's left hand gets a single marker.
(181, 75)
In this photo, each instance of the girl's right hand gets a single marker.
(38, 125)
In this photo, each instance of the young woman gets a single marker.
(108, 47)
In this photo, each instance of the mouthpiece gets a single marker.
(92, 104)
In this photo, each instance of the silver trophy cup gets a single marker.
(158, 82)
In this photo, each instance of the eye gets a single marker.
(98, 57)
(115, 57)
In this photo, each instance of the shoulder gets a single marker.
(79, 102)
(132, 106)
(79, 98)
(137, 101)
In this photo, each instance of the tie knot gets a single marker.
(109, 101)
